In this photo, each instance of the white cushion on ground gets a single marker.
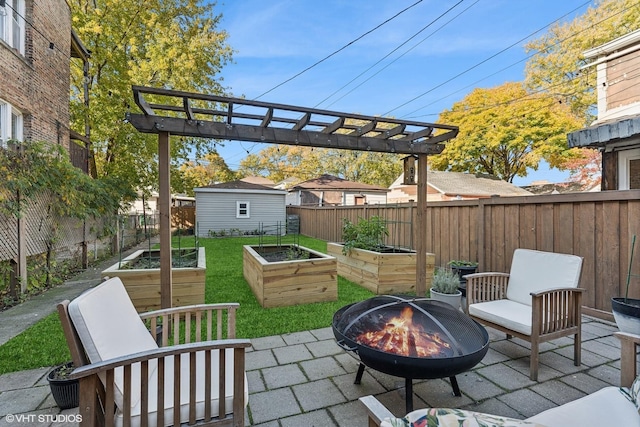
(535, 271)
(507, 313)
(605, 407)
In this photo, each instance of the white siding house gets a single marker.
(238, 205)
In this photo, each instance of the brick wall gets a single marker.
(38, 83)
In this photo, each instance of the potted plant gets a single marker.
(64, 390)
(444, 287)
(626, 311)
(462, 268)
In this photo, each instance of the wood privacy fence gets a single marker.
(597, 226)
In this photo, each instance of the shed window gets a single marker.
(242, 210)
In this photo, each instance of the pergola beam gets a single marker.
(237, 132)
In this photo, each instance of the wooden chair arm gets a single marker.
(161, 352)
(556, 291)
(207, 321)
(489, 286)
(628, 348)
(376, 411)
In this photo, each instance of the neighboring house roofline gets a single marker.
(238, 190)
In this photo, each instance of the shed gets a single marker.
(239, 206)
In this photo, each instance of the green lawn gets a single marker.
(44, 345)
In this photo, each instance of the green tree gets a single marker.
(210, 170)
(164, 43)
(280, 162)
(505, 130)
(556, 57)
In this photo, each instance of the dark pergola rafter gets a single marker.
(168, 112)
(218, 117)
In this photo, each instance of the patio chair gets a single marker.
(537, 301)
(127, 379)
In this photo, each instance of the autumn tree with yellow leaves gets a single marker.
(505, 130)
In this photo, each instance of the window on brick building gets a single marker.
(11, 124)
(12, 24)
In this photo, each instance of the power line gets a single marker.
(394, 50)
(480, 63)
(337, 51)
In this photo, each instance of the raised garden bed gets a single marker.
(140, 273)
(388, 272)
(283, 275)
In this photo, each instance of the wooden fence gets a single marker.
(596, 226)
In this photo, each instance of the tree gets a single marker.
(585, 166)
(167, 43)
(212, 169)
(556, 57)
(505, 130)
(280, 162)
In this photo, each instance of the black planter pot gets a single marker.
(463, 270)
(627, 314)
(65, 391)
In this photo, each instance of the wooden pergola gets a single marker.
(169, 112)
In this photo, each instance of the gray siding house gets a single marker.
(239, 205)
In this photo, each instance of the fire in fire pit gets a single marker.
(413, 338)
(399, 335)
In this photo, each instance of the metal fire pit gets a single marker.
(453, 342)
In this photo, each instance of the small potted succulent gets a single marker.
(444, 287)
(65, 391)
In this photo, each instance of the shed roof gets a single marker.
(238, 186)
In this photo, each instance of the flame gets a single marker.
(401, 336)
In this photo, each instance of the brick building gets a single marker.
(36, 48)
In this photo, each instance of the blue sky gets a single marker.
(466, 44)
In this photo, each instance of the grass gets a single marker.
(44, 344)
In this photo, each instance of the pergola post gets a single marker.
(421, 233)
(164, 207)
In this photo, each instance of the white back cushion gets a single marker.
(535, 271)
(109, 326)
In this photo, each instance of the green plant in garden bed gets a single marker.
(366, 234)
(44, 344)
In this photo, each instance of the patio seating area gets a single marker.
(306, 379)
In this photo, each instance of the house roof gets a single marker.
(610, 131)
(334, 183)
(259, 180)
(560, 188)
(468, 185)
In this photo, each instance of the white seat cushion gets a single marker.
(535, 271)
(606, 407)
(510, 314)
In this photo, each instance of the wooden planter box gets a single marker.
(143, 285)
(284, 283)
(381, 273)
